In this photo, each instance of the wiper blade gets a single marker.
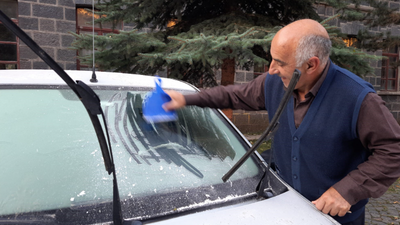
(273, 125)
(88, 98)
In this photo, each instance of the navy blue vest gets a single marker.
(325, 147)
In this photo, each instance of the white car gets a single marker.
(53, 168)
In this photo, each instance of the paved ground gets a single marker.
(380, 211)
(386, 209)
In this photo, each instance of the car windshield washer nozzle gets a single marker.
(153, 112)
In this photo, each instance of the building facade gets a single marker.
(51, 22)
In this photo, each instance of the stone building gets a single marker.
(50, 23)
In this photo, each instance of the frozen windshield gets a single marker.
(51, 160)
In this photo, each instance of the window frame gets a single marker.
(385, 77)
(257, 73)
(16, 42)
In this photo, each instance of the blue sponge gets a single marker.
(153, 111)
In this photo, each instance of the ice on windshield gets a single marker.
(50, 150)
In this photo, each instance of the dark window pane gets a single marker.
(383, 83)
(6, 35)
(392, 73)
(259, 68)
(10, 8)
(8, 52)
(7, 66)
(85, 18)
(383, 73)
(391, 85)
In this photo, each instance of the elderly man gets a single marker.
(337, 143)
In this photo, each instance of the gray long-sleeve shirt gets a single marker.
(377, 130)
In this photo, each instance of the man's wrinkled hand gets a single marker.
(177, 101)
(331, 202)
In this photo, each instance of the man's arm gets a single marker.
(380, 133)
(249, 96)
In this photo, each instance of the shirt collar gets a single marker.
(314, 90)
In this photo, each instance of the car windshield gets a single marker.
(51, 161)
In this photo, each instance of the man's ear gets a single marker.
(313, 64)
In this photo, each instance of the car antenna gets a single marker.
(272, 127)
(94, 78)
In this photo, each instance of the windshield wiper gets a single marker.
(88, 98)
(269, 132)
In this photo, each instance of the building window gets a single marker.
(84, 18)
(389, 71)
(350, 41)
(9, 47)
(259, 69)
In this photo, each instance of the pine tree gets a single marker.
(194, 38)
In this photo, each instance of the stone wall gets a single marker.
(48, 22)
(393, 103)
(392, 99)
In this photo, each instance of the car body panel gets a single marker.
(284, 209)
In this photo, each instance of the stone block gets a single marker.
(25, 64)
(354, 28)
(70, 14)
(53, 2)
(46, 39)
(47, 25)
(26, 53)
(329, 11)
(372, 81)
(61, 64)
(66, 40)
(24, 9)
(249, 76)
(70, 66)
(48, 11)
(66, 55)
(239, 77)
(241, 119)
(344, 27)
(256, 118)
(69, 3)
(78, 2)
(321, 9)
(394, 5)
(27, 1)
(26, 23)
(65, 26)
(395, 31)
(40, 65)
(50, 51)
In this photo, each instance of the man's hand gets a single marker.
(332, 202)
(177, 101)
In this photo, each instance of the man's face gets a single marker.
(283, 62)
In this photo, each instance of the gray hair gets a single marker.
(313, 45)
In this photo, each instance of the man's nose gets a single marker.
(272, 68)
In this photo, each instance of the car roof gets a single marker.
(49, 77)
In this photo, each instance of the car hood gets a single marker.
(286, 208)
